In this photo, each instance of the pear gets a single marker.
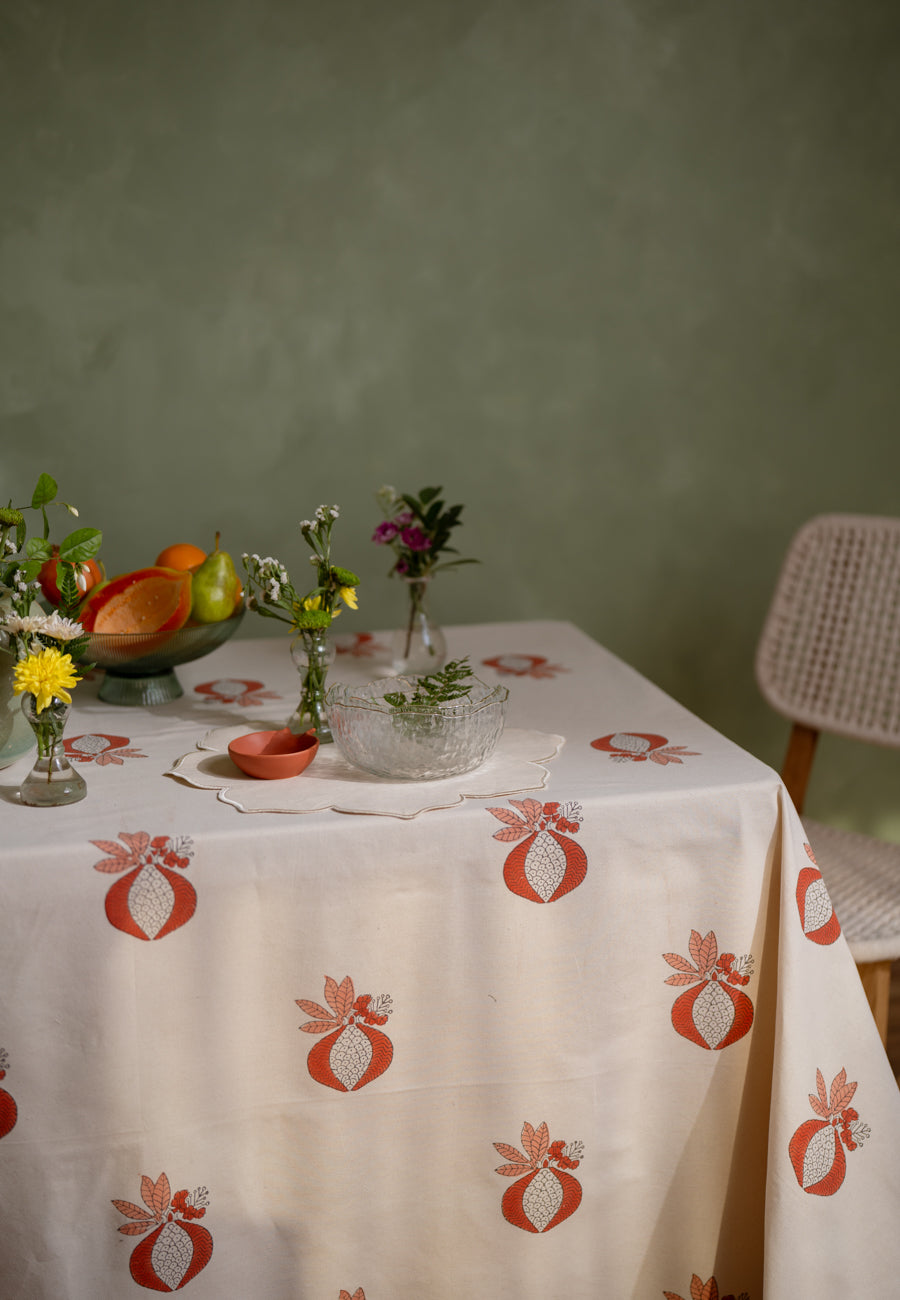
(215, 589)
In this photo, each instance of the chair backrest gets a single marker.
(829, 653)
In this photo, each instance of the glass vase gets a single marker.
(16, 737)
(313, 654)
(53, 780)
(418, 647)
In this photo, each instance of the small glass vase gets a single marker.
(418, 648)
(53, 780)
(313, 654)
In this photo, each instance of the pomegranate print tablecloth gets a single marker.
(593, 1033)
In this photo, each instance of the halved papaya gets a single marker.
(147, 600)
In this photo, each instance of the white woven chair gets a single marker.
(829, 660)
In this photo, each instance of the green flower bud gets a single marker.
(344, 577)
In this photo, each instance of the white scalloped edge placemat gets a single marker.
(330, 782)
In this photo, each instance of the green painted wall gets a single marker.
(621, 274)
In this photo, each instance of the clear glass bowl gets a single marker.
(139, 665)
(419, 743)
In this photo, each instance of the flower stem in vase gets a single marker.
(52, 781)
(420, 646)
(313, 654)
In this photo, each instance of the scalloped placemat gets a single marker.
(330, 782)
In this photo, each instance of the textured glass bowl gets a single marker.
(139, 665)
(415, 744)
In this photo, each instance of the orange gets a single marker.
(183, 555)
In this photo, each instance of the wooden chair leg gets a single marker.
(876, 981)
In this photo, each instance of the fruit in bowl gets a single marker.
(145, 622)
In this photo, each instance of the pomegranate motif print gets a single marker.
(100, 749)
(9, 1111)
(544, 1193)
(355, 1051)
(638, 746)
(708, 1290)
(546, 863)
(817, 1147)
(714, 1013)
(360, 645)
(817, 916)
(358, 1294)
(152, 899)
(178, 1247)
(229, 690)
(524, 666)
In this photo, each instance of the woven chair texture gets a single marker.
(829, 658)
(862, 876)
(829, 653)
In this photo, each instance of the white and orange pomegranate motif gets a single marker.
(523, 666)
(178, 1247)
(228, 690)
(708, 1290)
(9, 1112)
(355, 1051)
(639, 746)
(546, 862)
(358, 1294)
(817, 916)
(152, 900)
(98, 747)
(817, 1147)
(544, 1193)
(714, 1013)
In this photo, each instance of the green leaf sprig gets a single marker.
(451, 683)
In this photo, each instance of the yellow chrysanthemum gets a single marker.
(348, 596)
(44, 675)
(312, 602)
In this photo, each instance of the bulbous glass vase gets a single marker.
(313, 654)
(419, 647)
(52, 781)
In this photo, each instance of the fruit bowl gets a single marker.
(140, 665)
(419, 742)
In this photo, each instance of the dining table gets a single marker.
(338, 1037)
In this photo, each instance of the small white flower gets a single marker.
(306, 523)
(29, 623)
(61, 629)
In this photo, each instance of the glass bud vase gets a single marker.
(313, 654)
(53, 780)
(418, 647)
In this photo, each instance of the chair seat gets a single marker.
(862, 876)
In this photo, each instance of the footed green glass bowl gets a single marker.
(139, 666)
(416, 742)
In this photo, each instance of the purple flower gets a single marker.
(401, 567)
(406, 517)
(414, 538)
(385, 532)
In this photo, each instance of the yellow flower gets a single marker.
(312, 602)
(44, 675)
(348, 596)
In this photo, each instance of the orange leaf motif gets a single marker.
(513, 1171)
(136, 1229)
(510, 1152)
(510, 833)
(319, 1026)
(139, 842)
(510, 818)
(313, 1009)
(130, 1210)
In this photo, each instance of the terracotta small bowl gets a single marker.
(273, 755)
